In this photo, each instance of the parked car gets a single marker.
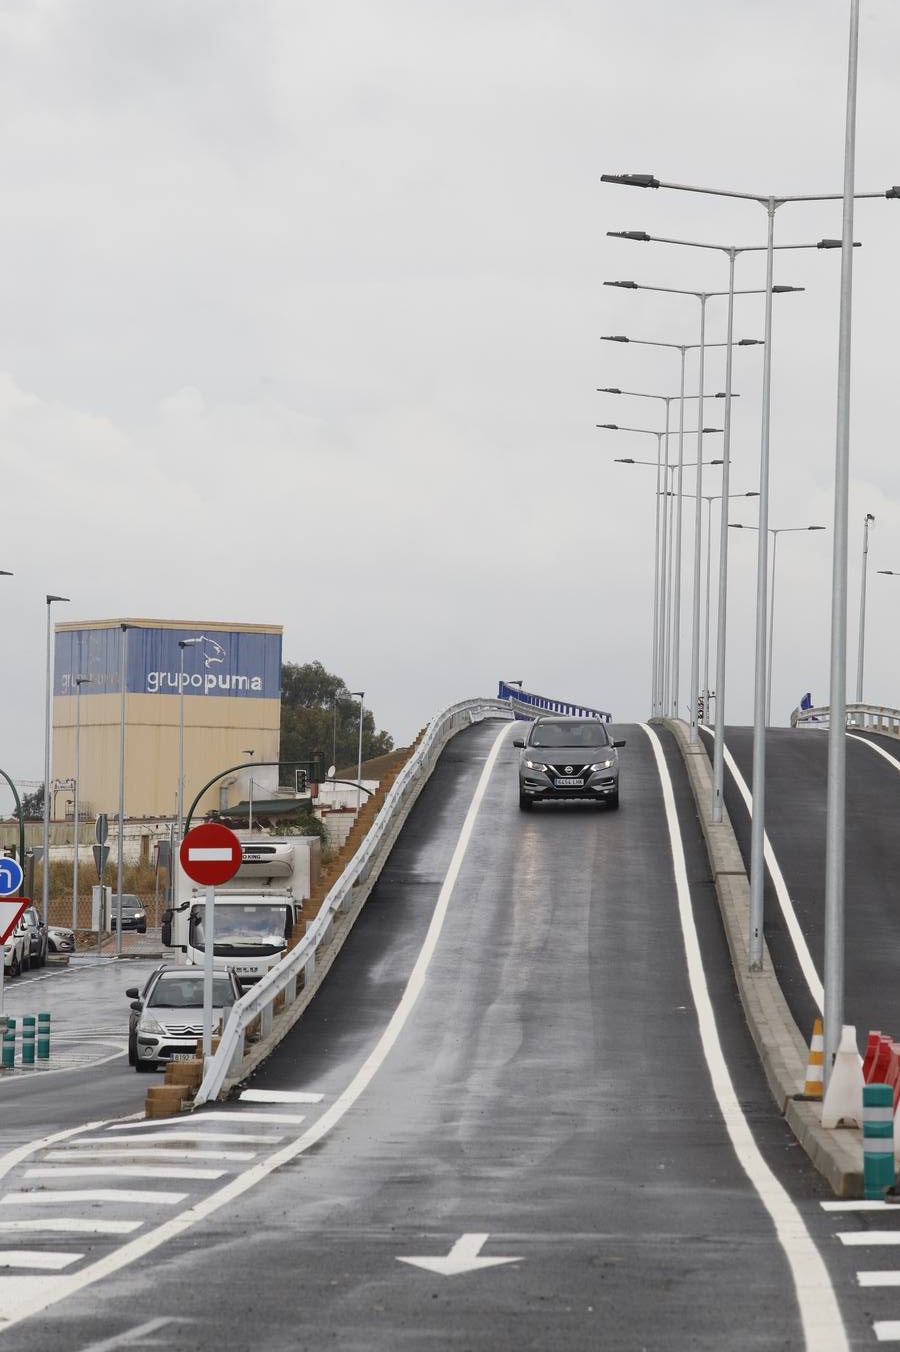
(167, 1015)
(14, 953)
(568, 758)
(36, 936)
(60, 939)
(134, 916)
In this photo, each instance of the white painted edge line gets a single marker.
(887, 1330)
(873, 746)
(801, 948)
(49, 1198)
(74, 1225)
(820, 1313)
(37, 1258)
(198, 1120)
(278, 1096)
(860, 1205)
(857, 1239)
(887, 1278)
(120, 1171)
(33, 1301)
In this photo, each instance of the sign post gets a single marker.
(210, 854)
(11, 876)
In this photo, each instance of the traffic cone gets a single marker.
(815, 1065)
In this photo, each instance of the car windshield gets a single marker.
(251, 924)
(570, 734)
(185, 991)
(129, 904)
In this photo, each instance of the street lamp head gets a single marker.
(835, 244)
(188, 642)
(648, 181)
(57, 598)
(715, 462)
(627, 286)
(783, 290)
(248, 751)
(711, 429)
(816, 528)
(608, 389)
(888, 572)
(624, 460)
(869, 516)
(893, 192)
(640, 235)
(750, 342)
(5, 573)
(613, 338)
(357, 694)
(610, 427)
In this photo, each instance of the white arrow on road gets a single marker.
(463, 1257)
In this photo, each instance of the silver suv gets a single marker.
(568, 758)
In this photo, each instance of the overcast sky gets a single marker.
(301, 310)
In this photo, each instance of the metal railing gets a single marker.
(288, 984)
(525, 704)
(869, 717)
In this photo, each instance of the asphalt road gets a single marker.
(796, 770)
(544, 1100)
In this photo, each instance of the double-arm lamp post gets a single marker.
(836, 805)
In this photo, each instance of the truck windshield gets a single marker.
(242, 929)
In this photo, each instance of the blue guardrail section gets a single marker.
(548, 706)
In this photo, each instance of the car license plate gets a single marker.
(571, 783)
(182, 1056)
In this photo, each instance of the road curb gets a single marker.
(783, 1051)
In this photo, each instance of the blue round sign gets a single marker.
(11, 876)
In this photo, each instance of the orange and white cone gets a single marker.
(815, 1066)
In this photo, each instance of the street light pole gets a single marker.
(249, 752)
(360, 695)
(120, 865)
(835, 852)
(79, 682)
(48, 730)
(182, 644)
(870, 520)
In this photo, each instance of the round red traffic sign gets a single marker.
(210, 854)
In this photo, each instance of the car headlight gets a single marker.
(151, 1025)
(604, 765)
(535, 765)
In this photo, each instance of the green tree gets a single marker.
(320, 720)
(33, 804)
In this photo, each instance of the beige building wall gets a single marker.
(218, 730)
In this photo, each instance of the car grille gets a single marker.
(568, 770)
(183, 1030)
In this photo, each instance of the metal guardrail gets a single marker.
(525, 704)
(871, 717)
(286, 982)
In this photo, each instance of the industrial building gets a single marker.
(209, 687)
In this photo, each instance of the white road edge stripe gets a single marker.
(801, 948)
(37, 1258)
(820, 1314)
(40, 1297)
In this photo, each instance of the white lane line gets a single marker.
(887, 1330)
(74, 1225)
(50, 1198)
(162, 1154)
(801, 948)
(37, 1258)
(278, 1096)
(859, 1238)
(120, 1171)
(819, 1310)
(878, 1278)
(21, 1301)
(203, 1137)
(236, 1118)
(860, 1205)
(72, 1069)
(873, 746)
(140, 1334)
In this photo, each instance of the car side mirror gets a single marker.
(622, 743)
(518, 741)
(133, 993)
(137, 1006)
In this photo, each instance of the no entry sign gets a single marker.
(210, 854)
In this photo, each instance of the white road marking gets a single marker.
(163, 1153)
(860, 1205)
(873, 746)
(858, 1238)
(278, 1096)
(887, 1330)
(463, 1257)
(236, 1118)
(50, 1198)
(878, 1278)
(204, 1137)
(801, 948)
(819, 1311)
(140, 1334)
(27, 1297)
(120, 1171)
(21, 1152)
(37, 1258)
(72, 1225)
